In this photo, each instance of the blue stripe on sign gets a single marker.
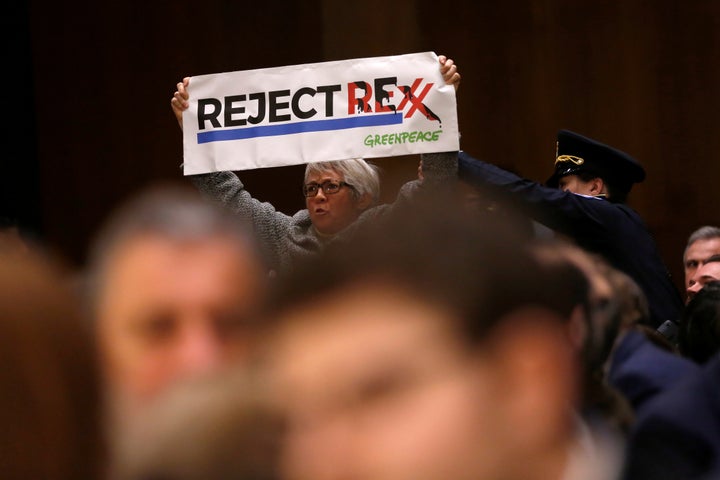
(301, 127)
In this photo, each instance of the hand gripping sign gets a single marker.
(369, 107)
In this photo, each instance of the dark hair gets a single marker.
(568, 263)
(706, 232)
(8, 221)
(615, 193)
(475, 265)
(168, 210)
(554, 257)
(699, 333)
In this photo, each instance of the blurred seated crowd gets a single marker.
(442, 340)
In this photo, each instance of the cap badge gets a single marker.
(569, 158)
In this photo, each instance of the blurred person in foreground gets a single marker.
(594, 312)
(222, 426)
(174, 283)
(51, 402)
(428, 348)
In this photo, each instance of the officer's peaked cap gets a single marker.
(576, 154)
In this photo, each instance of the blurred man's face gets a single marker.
(696, 255)
(168, 311)
(378, 387)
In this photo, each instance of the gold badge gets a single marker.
(569, 158)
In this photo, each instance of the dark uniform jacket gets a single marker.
(612, 230)
(641, 370)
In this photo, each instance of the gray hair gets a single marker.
(169, 211)
(706, 232)
(363, 176)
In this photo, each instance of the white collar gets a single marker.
(594, 455)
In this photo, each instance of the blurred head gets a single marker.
(617, 304)
(50, 407)
(613, 301)
(175, 285)
(702, 244)
(699, 333)
(422, 349)
(596, 299)
(563, 260)
(599, 300)
(337, 192)
(708, 272)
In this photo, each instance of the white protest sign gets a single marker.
(369, 107)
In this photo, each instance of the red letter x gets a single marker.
(409, 95)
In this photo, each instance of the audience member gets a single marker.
(337, 194)
(560, 259)
(642, 363)
(702, 244)
(585, 200)
(429, 347)
(641, 369)
(174, 286)
(51, 402)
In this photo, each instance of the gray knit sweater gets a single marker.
(285, 238)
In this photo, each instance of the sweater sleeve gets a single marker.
(269, 225)
(438, 170)
(440, 167)
(559, 210)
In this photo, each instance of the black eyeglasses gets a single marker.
(328, 187)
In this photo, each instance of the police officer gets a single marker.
(584, 199)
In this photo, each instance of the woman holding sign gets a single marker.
(338, 194)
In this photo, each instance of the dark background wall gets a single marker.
(89, 83)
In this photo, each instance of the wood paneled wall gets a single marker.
(640, 75)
